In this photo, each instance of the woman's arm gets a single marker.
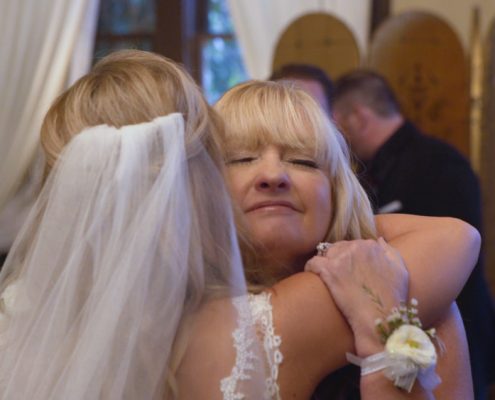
(367, 279)
(315, 336)
(453, 364)
(440, 254)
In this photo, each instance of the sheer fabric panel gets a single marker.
(37, 38)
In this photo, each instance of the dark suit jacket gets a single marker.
(426, 176)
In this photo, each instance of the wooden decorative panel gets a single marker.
(424, 61)
(488, 155)
(319, 39)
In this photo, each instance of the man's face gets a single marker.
(343, 119)
(348, 123)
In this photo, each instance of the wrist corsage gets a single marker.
(409, 350)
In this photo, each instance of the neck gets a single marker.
(381, 131)
(279, 267)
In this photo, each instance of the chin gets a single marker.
(276, 236)
(285, 247)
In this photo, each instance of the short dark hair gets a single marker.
(307, 72)
(367, 87)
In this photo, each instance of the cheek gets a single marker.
(322, 206)
(234, 185)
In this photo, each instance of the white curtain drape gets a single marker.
(37, 38)
(259, 23)
(44, 45)
(82, 55)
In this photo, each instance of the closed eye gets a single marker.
(241, 160)
(305, 163)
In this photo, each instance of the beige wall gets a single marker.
(457, 13)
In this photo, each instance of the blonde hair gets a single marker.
(130, 87)
(257, 113)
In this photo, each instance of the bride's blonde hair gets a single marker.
(129, 87)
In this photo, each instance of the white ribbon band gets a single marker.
(399, 369)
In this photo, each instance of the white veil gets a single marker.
(112, 258)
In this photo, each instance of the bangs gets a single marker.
(273, 113)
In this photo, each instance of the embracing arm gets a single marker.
(315, 338)
(439, 253)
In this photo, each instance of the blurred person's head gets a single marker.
(311, 79)
(124, 88)
(366, 110)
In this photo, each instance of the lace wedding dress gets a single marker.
(259, 313)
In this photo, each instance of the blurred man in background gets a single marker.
(406, 171)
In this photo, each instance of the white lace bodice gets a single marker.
(257, 313)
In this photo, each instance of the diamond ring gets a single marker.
(322, 248)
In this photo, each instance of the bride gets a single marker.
(128, 249)
(126, 280)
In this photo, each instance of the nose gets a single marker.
(272, 177)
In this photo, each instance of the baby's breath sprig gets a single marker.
(405, 314)
(374, 297)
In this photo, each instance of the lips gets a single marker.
(271, 204)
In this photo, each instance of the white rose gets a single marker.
(412, 342)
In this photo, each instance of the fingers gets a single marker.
(313, 265)
(392, 253)
(355, 255)
(381, 241)
(319, 266)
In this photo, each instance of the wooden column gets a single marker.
(487, 156)
(380, 10)
(169, 36)
(177, 31)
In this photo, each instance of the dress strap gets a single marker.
(257, 312)
(261, 308)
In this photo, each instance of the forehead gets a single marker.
(274, 113)
(288, 130)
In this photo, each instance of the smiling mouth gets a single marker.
(272, 206)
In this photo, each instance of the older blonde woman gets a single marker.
(289, 174)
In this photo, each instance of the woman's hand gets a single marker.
(366, 278)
